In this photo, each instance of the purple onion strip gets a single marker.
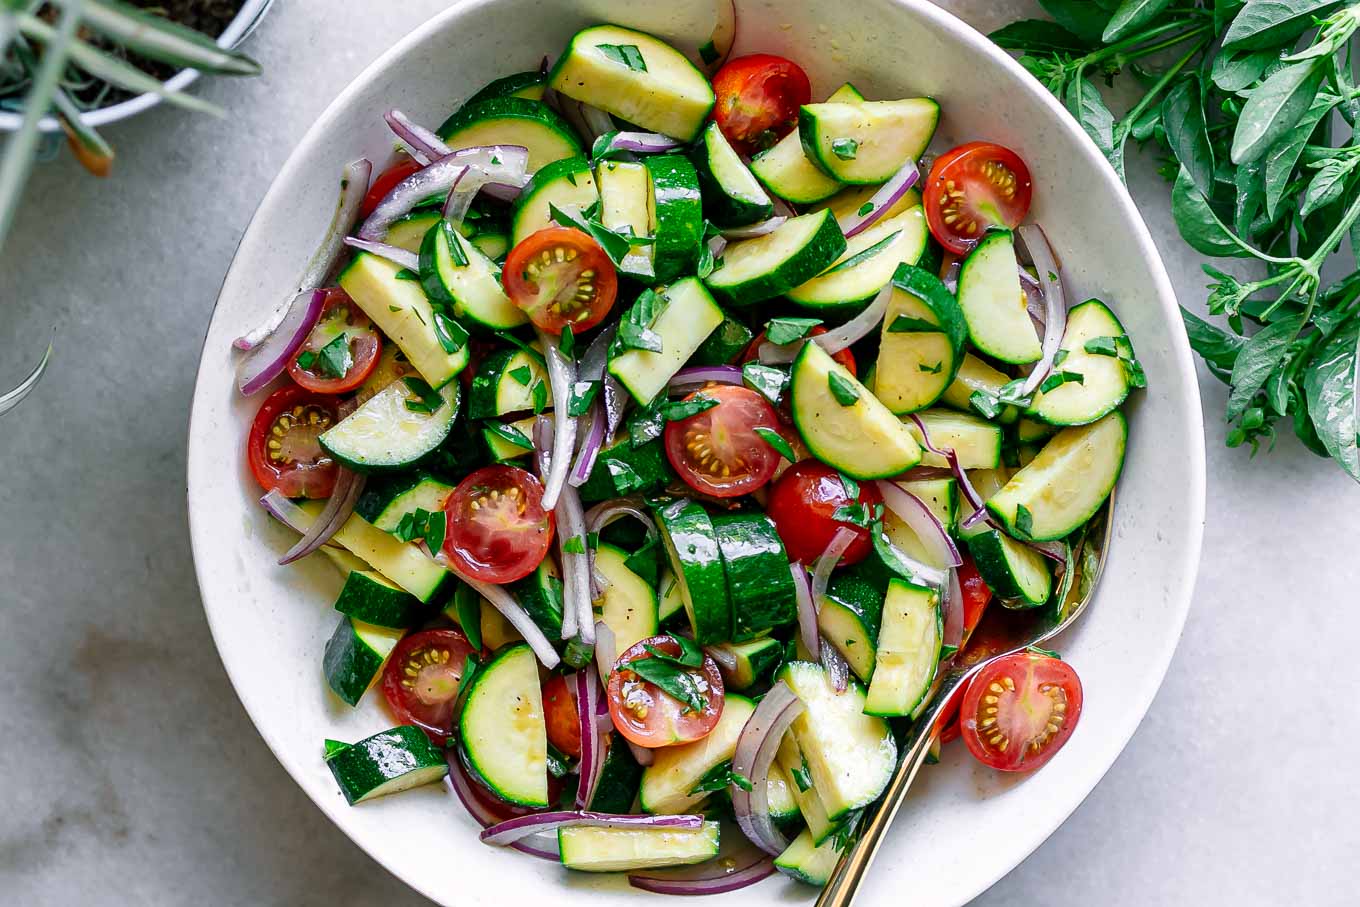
(887, 195)
(270, 358)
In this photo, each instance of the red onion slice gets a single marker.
(643, 142)
(605, 653)
(513, 611)
(270, 358)
(807, 611)
(723, 658)
(561, 376)
(970, 493)
(1055, 302)
(575, 567)
(717, 245)
(952, 604)
(394, 254)
(592, 746)
(783, 208)
(699, 375)
(763, 228)
(340, 506)
(756, 748)
(353, 186)
(887, 195)
(423, 144)
(606, 512)
(597, 121)
(854, 330)
(512, 830)
(436, 179)
(951, 276)
(731, 869)
(491, 165)
(592, 441)
(912, 510)
(469, 794)
(831, 557)
(837, 668)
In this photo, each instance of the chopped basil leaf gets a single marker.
(574, 545)
(407, 274)
(986, 404)
(334, 359)
(856, 514)
(435, 525)
(672, 679)
(306, 359)
(720, 777)
(467, 606)
(850, 485)
(615, 245)
(635, 328)
(558, 766)
(906, 324)
(848, 831)
(523, 375)
(429, 402)
(571, 178)
(334, 747)
(864, 255)
(679, 410)
(646, 561)
(765, 380)
(691, 656)
(780, 331)
(1060, 357)
(394, 308)
(626, 479)
(865, 208)
(1058, 379)
(1101, 346)
(645, 424)
(627, 54)
(539, 394)
(845, 149)
(510, 435)
(455, 244)
(931, 369)
(567, 342)
(1024, 522)
(802, 776)
(452, 336)
(471, 663)
(708, 53)
(582, 395)
(777, 441)
(842, 388)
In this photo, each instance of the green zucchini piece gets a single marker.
(916, 365)
(676, 770)
(370, 597)
(724, 345)
(850, 200)
(1029, 431)
(908, 651)
(678, 215)
(501, 448)
(401, 562)
(409, 232)
(692, 548)
(492, 245)
(975, 375)
(976, 441)
(940, 495)
(1018, 574)
(355, 655)
(1105, 381)
(386, 504)
(790, 759)
(689, 315)
(993, 303)
(466, 279)
(626, 206)
(759, 584)
(986, 482)
(617, 785)
(755, 660)
(622, 469)
(868, 263)
(754, 270)
(809, 863)
(671, 604)
(504, 384)
(393, 430)
(604, 849)
(528, 85)
(732, 196)
(627, 604)
(512, 121)
(866, 141)
(540, 594)
(502, 729)
(568, 184)
(387, 763)
(849, 615)
(659, 91)
(786, 171)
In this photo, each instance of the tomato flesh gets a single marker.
(561, 277)
(757, 100)
(386, 182)
(342, 326)
(802, 502)
(976, 595)
(973, 188)
(718, 451)
(1019, 711)
(559, 714)
(650, 717)
(498, 531)
(283, 449)
(421, 680)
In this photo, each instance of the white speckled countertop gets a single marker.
(132, 776)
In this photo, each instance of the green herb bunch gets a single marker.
(1252, 106)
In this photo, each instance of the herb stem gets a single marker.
(1166, 79)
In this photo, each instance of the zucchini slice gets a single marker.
(355, 655)
(850, 755)
(687, 318)
(849, 616)
(1066, 483)
(850, 200)
(384, 504)
(370, 597)
(725, 344)
(862, 439)
(755, 660)
(808, 862)
(1105, 382)
(403, 312)
(505, 383)
(623, 469)
(394, 430)
(670, 609)
(759, 584)
(588, 849)
(942, 497)
(754, 270)
(920, 344)
(866, 141)
(975, 375)
(636, 77)
(993, 303)
(502, 729)
(626, 207)
(540, 593)
(401, 562)
(676, 770)
(512, 121)
(409, 232)
(976, 441)
(528, 85)
(1018, 574)
(868, 263)
(790, 759)
(568, 184)
(732, 196)
(454, 271)
(627, 604)
(786, 171)
(677, 214)
(498, 438)
(908, 650)
(692, 547)
(617, 785)
(387, 763)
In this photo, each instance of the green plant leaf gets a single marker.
(1281, 159)
(1130, 16)
(1081, 17)
(1039, 36)
(1328, 183)
(1234, 71)
(1084, 102)
(1249, 183)
(1273, 23)
(1187, 134)
(1329, 387)
(1260, 356)
(1274, 108)
(1198, 223)
(163, 39)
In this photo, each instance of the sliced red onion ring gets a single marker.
(591, 442)
(952, 603)
(597, 121)
(778, 354)
(512, 830)
(513, 611)
(561, 376)
(394, 254)
(596, 356)
(951, 277)
(821, 573)
(723, 658)
(1054, 551)
(807, 611)
(643, 142)
(783, 208)
(592, 747)
(1055, 302)
(912, 510)
(499, 165)
(717, 245)
(606, 512)
(438, 178)
(699, 375)
(570, 108)
(756, 748)
(576, 598)
(837, 668)
(615, 404)
(887, 195)
(339, 507)
(285, 511)
(475, 802)
(723, 873)
(769, 225)
(353, 186)
(270, 358)
(423, 144)
(605, 652)
(970, 493)
(854, 330)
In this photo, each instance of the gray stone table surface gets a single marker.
(131, 775)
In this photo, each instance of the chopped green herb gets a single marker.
(1060, 357)
(635, 328)
(850, 485)
(780, 331)
(855, 514)
(394, 308)
(571, 177)
(1058, 379)
(645, 424)
(673, 680)
(626, 479)
(777, 441)
(865, 208)
(522, 375)
(720, 777)
(334, 359)
(407, 274)
(582, 395)
(802, 776)
(429, 400)
(510, 435)
(567, 342)
(455, 244)
(467, 606)
(1101, 346)
(539, 394)
(863, 255)
(334, 748)
(1024, 522)
(558, 765)
(627, 54)
(306, 359)
(848, 831)
(906, 324)
(615, 244)
(765, 380)
(452, 336)
(845, 148)
(842, 388)
(679, 410)
(574, 545)
(471, 663)
(931, 369)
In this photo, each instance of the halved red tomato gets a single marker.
(801, 504)
(1019, 710)
(844, 357)
(341, 351)
(972, 188)
(282, 447)
(976, 595)
(758, 97)
(498, 531)
(421, 679)
(719, 451)
(559, 714)
(385, 182)
(649, 717)
(559, 276)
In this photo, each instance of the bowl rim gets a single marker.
(240, 27)
(1159, 658)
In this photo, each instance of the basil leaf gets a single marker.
(780, 331)
(1281, 159)
(1260, 356)
(765, 380)
(679, 410)
(842, 388)
(1275, 107)
(906, 324)
(522, 375)
(467, 610)
(635, 328)
(1328, 183)
(708, 53)
(1215, 345)
(777, 441)
(1130, 16)
(802, 776)
(1101, 346)
(1058, 379)
(567, 342)
(582, 395)
(574, 545)
(1198, 223)
(850, 486)
(627, 54)
(509, 434)
(673, 680)
(1271, 23)
(845, 148)
(429, 402)
(451, 335)
(931, 369)
(1187, 134)
(645, 424)
(1084, 102)
(1083, 18)
(1024, 522)
(720, 777)
(539, 394)
(1039, 35)
(626, 479)
(1329, 387)
(333, 360)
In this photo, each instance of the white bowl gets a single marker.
(250, 14)
(964, 826)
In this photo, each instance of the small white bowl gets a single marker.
(236, 31)
(964, 826)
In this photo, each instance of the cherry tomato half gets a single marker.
(976, 595)
(385, 182)
(559, 714)
(652, 718)
(559, 276)
(844, 357)
(421, 679)
(282, 448)
(498, 531)
(341, 351)
(758, 97)
(801, 504)
(718, 451)
(1019, 710)
(974, 187)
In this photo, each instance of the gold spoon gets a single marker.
(1001, 633)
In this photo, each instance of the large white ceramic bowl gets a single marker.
(964, 826)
